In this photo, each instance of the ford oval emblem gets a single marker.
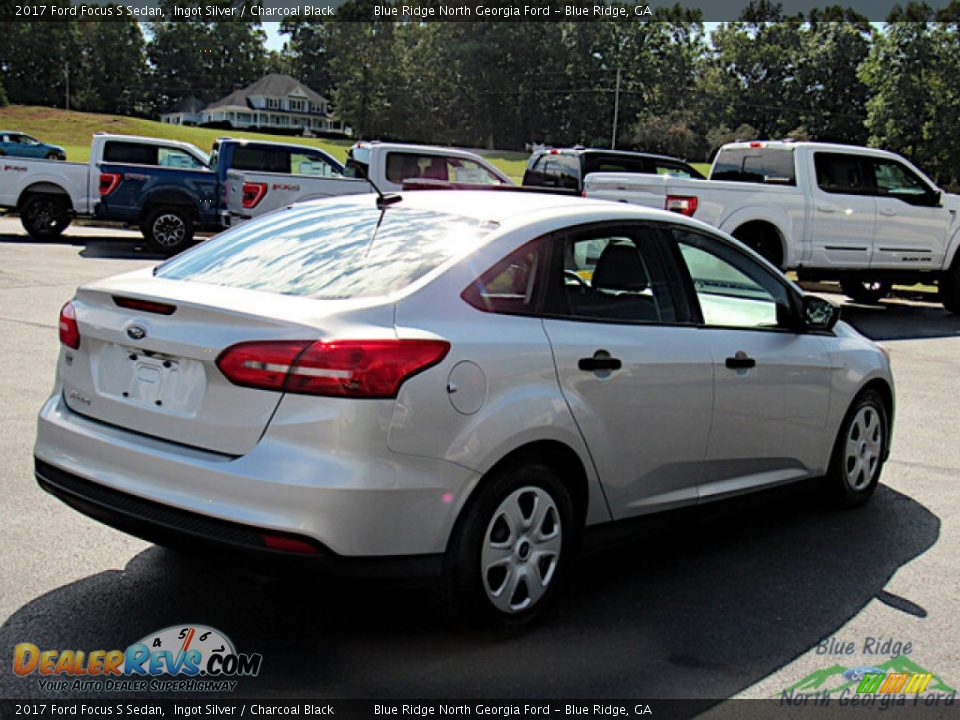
(135, 332)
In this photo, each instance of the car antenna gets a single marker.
(383, 201)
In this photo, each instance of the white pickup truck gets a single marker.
(387, 165)
(49, 194)
(865, 217)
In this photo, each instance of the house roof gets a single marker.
(272, 85)
(187, 105)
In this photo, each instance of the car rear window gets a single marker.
(330, 251)
(758, 165)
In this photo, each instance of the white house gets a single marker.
(274, 101)
(185, 112)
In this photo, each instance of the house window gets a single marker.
(273, 103)
(296, 105)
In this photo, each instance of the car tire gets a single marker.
(168, 229)
(54, 156)
(859, 452)
(45, 216)
(866, 292)
(510, 548)
(949, 289)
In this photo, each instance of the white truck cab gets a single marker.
(863, 216)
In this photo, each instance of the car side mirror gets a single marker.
(818, 313)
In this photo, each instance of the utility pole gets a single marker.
(616, 111)
(66, 73)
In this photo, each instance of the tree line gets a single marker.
(830, 75)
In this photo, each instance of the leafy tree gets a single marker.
(205, 59)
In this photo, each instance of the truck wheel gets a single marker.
(45, 216)
(949, 288)
(168, 229)
(510, 548)
(867, 292)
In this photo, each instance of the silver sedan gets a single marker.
(462, 384)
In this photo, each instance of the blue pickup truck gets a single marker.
(171, 197)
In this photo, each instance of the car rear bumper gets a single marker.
(348, 506)
(190, 531)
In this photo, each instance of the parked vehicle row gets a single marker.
(172, 189)
(467, 386)
(865, 217)
(389, 166)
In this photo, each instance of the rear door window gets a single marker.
(768, 166)
(838, 173)
(413, 166)
(131, 153)
(261, 159)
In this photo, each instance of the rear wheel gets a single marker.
(168, 230)
(510, 548)
(859, 452)
(867, 292)
(54, 155)
(45, 216)
(949, 289)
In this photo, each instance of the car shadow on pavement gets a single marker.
(899, 320)
(701, 612)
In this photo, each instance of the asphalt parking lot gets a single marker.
(733, 607)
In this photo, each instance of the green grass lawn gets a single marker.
(72, 131)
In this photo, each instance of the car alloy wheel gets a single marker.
(521, 549)
(864, 448)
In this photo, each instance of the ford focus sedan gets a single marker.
(461, 384)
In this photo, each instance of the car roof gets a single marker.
(503, 206)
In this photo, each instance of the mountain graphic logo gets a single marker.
(837, 678)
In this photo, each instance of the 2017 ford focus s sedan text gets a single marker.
(456, 381)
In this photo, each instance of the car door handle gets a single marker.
(826, 209)
(888, 212)
(741, 361)
(600, 361)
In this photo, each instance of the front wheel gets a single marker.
(867, 292)
(859, 452)
(168, 230)
(510, 548)
(45, 216)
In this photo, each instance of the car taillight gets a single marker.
(69, 331)
(683, 204)
(339, 368)
(109, 182)
(253, 193)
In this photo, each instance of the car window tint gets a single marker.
(839, 173)
(896, 180)
(615, 276)
(333, 251)
(312, 165)
(510, 286)
(467, 171)
(555, 170)
(731, 288)
(411, 166)
(176, 158)
(261, 159)
(129, 152)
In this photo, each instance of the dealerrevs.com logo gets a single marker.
(180, 658)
